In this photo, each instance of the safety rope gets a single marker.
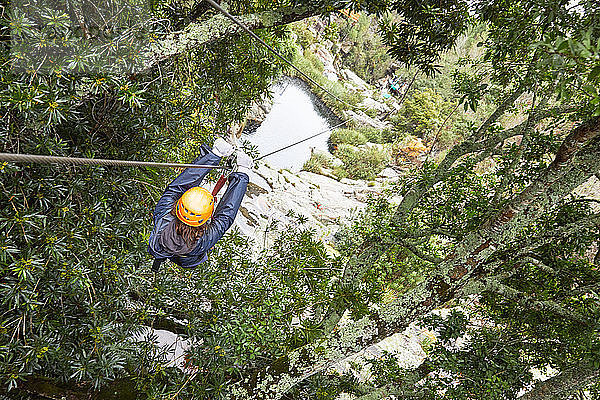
(272, 50)
(30, 158)
(304, 140)
(386, 116)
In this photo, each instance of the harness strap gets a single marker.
(156, 264)
(219, 184)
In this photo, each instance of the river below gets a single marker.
(296, 114)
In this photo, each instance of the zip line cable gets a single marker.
(36, 159)
(272, 50)
(39, 159)
(304, 140)
(391, 112)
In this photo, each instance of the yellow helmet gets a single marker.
(195, 207)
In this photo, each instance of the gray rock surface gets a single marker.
(368, 102)
(171, 346)
(259, 110)
(324, 201)
(354, 79)
(364, 119)
(389, 173)
(323, 53)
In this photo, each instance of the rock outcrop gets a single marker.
(257, 113)
(325, 202)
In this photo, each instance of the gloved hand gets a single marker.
(221, 148)
(244, 162)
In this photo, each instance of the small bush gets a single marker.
(314, 61)
(346, 136)
(304, 36)
(421, 115)
(360, 164)
(373, 135)
(316, 162)
(408, 150)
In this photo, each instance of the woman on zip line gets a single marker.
(186, 223)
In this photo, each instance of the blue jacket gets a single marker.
(222, 218)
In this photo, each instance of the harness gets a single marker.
(229, 164)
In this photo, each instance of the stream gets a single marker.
(296, 114)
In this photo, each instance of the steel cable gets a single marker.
(37, 159)
(304, 140)
(272, 50)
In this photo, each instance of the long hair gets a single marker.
(190, 234)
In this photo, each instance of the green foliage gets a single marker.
(305, 37)
(73, 261)
(316, 64)
(562, 50)
(311, 66)
(424, 30)
(74, 283)
(373, 135)
(360, 164)
(316, 162)
(392, 266)
(470, 87)
(346, 136)
(44, 41)
(421, 115)
(367, 56)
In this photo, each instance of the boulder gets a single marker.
(368, 102)
(350, 87)
(363, 119)
(258, 111)
(389, 173)
(336, 162)
(325, 201)
(325, 56)
(354, 79)
(174, 346)
(331, 74)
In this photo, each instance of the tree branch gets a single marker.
(564, 384)
(404, 389)
(420, 254)
(506, 177)
(411, 199)
(470, 260)
(490, 284)
(527, 245)
(217, 27)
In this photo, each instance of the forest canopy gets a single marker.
(493, 230)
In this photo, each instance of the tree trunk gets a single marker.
(563, 385)
(576, 161)
(218, 27)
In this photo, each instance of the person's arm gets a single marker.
(186, 180)
(224, 214)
